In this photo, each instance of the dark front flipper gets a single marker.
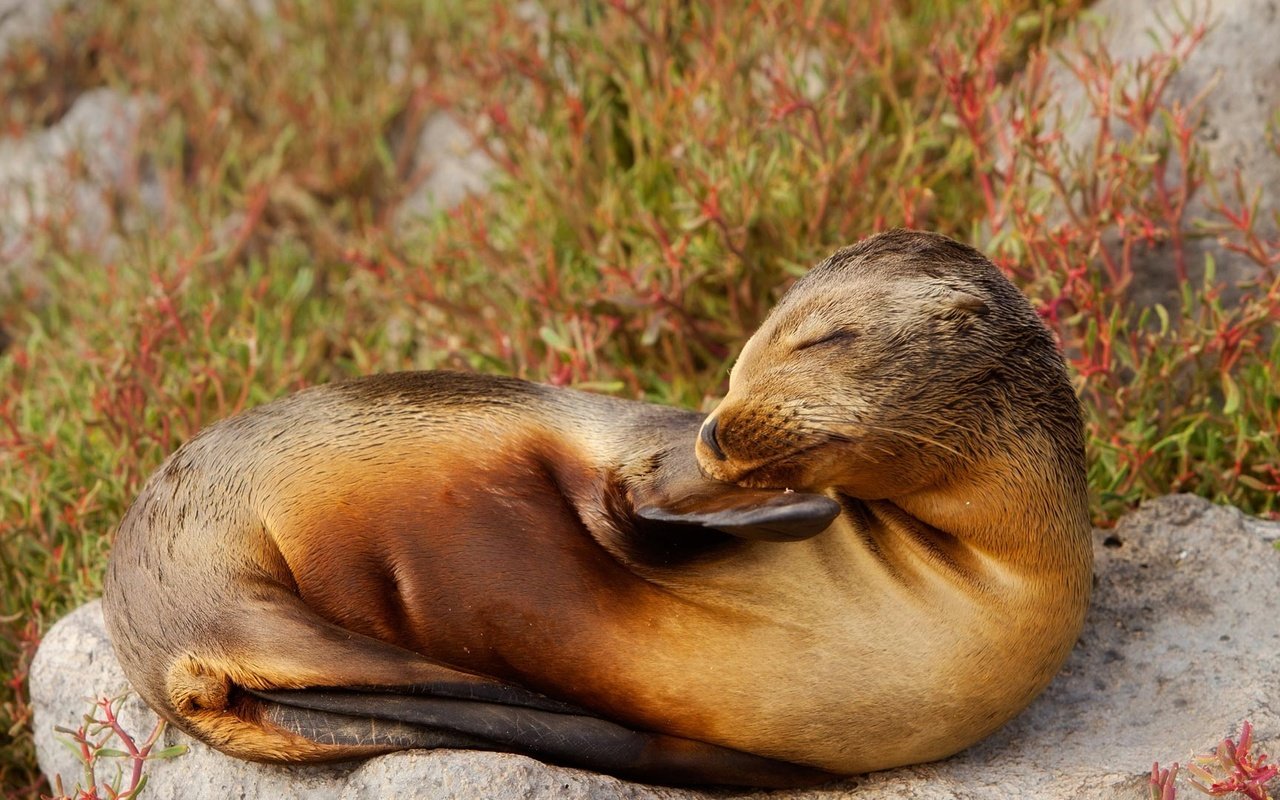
(670, 489)
(382, 719)
(764, 515)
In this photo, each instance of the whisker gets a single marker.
(970, 429)
(808, 419)
(837, 436)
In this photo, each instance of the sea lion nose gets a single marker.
(708, 437)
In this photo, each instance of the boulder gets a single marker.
(447, 167)
(69, 178)
(26, 23)
(1180, 646)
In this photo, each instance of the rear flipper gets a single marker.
(376, 719)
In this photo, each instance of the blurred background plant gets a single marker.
(660, 171)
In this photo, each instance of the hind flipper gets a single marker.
(382, 719)
(209, 692)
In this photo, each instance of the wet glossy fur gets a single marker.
(490, 528)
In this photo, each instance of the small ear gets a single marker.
(963, 301)
(759, 514)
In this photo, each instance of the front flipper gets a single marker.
(576, 739)
(763, 515)
(671, 490)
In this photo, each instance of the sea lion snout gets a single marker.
(713, 438)
(712, 460)
(749, 444)
(707, 438)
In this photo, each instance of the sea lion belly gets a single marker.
(777, 646)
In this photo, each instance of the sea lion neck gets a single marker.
(987, 508)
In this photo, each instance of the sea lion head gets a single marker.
(889, 367)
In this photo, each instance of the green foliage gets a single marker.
(1183, 395)
(662, 171)
(668, 167)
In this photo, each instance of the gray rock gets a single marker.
(69, 176)
(1236, 69)
(1182, 643)
(448, 166)
(26, 22)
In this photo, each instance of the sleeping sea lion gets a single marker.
(872, 553)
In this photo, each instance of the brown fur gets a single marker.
(400, 529)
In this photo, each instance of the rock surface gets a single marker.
(1235, 69)
(449, 167)
(24, 22)
(71, 176)
(1181, 644)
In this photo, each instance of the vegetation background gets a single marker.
(661, 172)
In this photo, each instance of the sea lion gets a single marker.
(872, 553)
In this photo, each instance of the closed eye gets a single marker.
(835, 337)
